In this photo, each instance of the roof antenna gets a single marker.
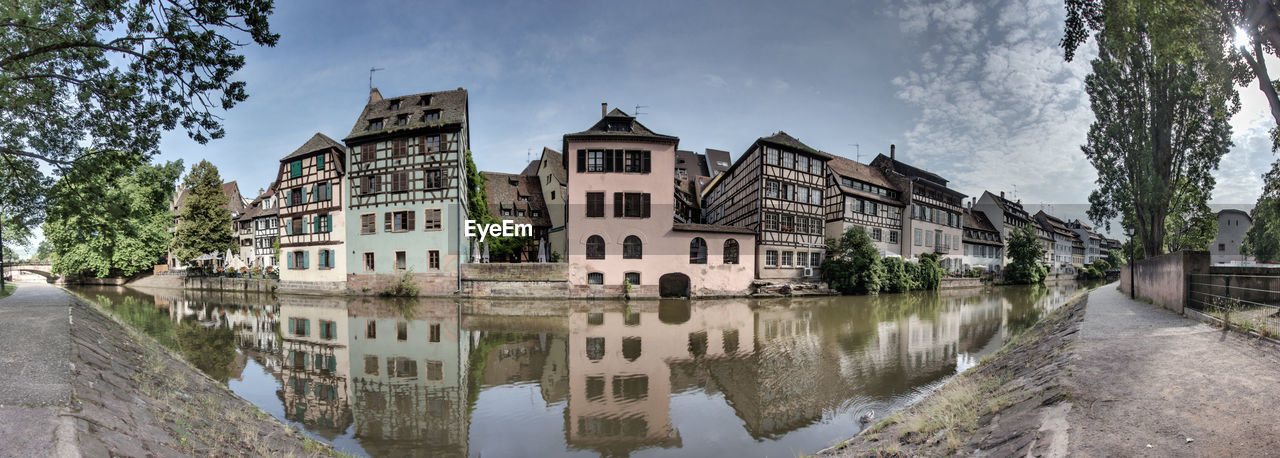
(528, 155)
(858, 148)
(637, 113)
(371, 70)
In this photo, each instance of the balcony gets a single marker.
(941, 249)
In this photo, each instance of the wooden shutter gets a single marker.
(644, 159)
(644, 205)
(387, 220)
(582, 161)
(320, 162)
(608, 160)
(617, 161)
(617, 205)
(412, 215)
(291, 322)
(306, 260)
(306, 324)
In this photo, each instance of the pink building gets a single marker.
(621, 220)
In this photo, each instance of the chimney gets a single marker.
(892, 152)
(604, 109)
(374, 95)
(1001, 194)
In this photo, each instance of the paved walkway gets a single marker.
(1150, 382)
(35, 368)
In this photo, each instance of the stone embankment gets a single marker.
(128, 395)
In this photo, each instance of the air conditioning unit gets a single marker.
(808, 271)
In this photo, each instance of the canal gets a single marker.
(758, 377)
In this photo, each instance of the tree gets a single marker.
(855, 267)
(1191, 225)
(896, 278)
(1162, 95)
(109, 215)
(477, 199)
(44, 251)
(1025, 253)
(1262, 241)
(204, 224)
(22, 202)
(79, 76)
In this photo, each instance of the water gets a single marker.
(776, 377)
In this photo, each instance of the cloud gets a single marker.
(715, 81)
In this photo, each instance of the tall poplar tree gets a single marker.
(205, 223)
(1162, 93)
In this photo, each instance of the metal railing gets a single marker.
(1247, 302)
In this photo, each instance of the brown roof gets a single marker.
(1009, 206)
(845, 167)
(781, 138)
(531, 169)
(711, 228)
(1053, 224)
(317, 142)
(714, 157)
(693, 163)
(978, 222)
(501, 194)
(451, 104)
(630, 128)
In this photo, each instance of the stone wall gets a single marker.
(434, 284)
(960, 282)
(549, 279)
(325, 288)
(230, 284)
(1163, 279)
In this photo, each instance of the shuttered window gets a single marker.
(431, 220)
(295, 169)
(582, 160)
(595, 204)
(368, 223)
(320, 162)
(433, 179)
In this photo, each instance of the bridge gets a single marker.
(42, 269)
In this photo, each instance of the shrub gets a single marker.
(896, 277)
(403, 288)
(929, 274)
(854, 266)
(1025, 251)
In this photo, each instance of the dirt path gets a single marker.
(1146, 380)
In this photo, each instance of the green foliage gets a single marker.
(1025, 253)
(144, 317)
(212, 350)
(45, 251)
(896, 278)
(1191, 225)
(78, 76)
(109, 215)
(1262, 241)
(405, 287)
(22, 202)
(477, 202)
(205, 225)
(929, 273)
(855, 266)
(1114, 259)
(275, 250)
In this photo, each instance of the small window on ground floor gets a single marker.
(771, 258)
(633, 277)
(595, 278)
(368, 262)
(433, 259)
(402, 262)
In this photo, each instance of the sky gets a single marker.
(978, 93)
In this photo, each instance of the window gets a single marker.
(802, 163)
(815, 226)
(632, 248)
(771, 258)
(802, 225)
(595, 278)
(433, 143)
(595, 349)
(802, 259)
(371, 329)
(395, 105)
(433, 259)
(375, 124)
(368, 261)
(697, 251)
(431, 220)
(788, 159)
(928, 241)
(401, 261)
(431, 116)
(402, 367)
(731, 251)
(1222, 247)
(433, 333)
(301, 327)
(326, 259)
(802, 194)
(917, 237)
(770, 221)
(771, 156)
(815, 259)
(298, 260)
(893, 236)
(786, 258)
(402, 119)
(595, 161)
(630, 205)
(535, 213)
(400, 221)
(328, 330)
(595, 247)
(815, 196)
(771, 189)
(875, 234)
(368, 223)
(435, 370)
(788, 192)
(787, 223)
(400, 182)
(632, 162)
(371, 365)
(619, 126)
(632, 277)
(432, 179)
(595, 204)
(295, 169)
(402, 331)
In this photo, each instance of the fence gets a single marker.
(1248, 300)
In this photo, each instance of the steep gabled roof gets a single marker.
(781, 139)
(500, 194)
(531, 169)
(452, 106)
(908, 170)
(1008, 206)
(619, 125)
(1053, 224)
(845, 167)
(976, 221)
(316, 143)
(716, 157)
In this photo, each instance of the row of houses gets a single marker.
(622, 205)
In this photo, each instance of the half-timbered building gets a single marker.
(859, 195)
(983, 246)
(312, 226)
(518, 198)
(935, 212)
(1005, 215)
(622, 229)
(1060, 254)
(266, 224)
(407, 176)
(776, 190)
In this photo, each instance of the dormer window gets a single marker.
(375, 124)
(619, 126)
(395, 105)
(431, 116)
(424, 100)
(402, 120)
(512, 181)
(524, 198)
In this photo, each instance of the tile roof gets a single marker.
(693, 163)
(714, 158)
(711, 228)
(1053, 223)
(1009, 206)
(974, 220)
(909, 170)
(781, 138)
(316, 143)
(229, 189)
(451, 104)
(501, 194)
(849, 168)
(532, 168)
(631, 129)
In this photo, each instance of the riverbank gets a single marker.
(116, 392)
(1104, 376)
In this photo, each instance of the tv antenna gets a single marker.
(528, 155)
(637, 113)
(371, 70)
(858, 149)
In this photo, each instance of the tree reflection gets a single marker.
(210, 349)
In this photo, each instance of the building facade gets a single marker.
(983, 245)
(266, 224)
(1061, 242)
(775, 190)
(1005, 215)
(1232, 225)
(859, 195)
(621, 227)
(1091, 240)
(518, 198)
(407, 176)
(312, 227)
(555, 195)
(936, 215)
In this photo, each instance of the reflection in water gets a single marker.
(421, 377)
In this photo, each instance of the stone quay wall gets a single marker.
(1163, 279)
(260, 285)
(548, 279)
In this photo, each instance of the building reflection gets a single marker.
(315, 368)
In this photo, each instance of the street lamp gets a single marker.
(1133, 286)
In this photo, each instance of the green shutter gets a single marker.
(333, 364)
(295, 169)
(306, 259)
(290, 330)
(289, 258)
(306, 324)
(328, 223)
(319, 362)
(320, 162)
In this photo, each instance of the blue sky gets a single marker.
(977, 93)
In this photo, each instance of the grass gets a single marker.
(9, 288)
(953, 412)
